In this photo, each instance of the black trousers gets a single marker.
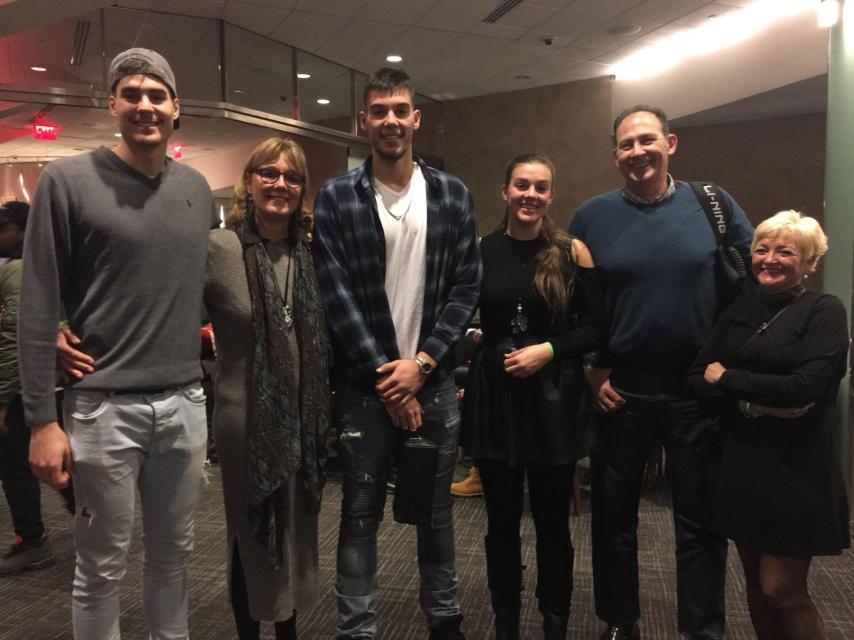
(692, 449)
(550, 493)
(19, 484)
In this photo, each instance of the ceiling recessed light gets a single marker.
(394, 58)
(38, 68)
(118, 135)
(323, 101)
(303, 76)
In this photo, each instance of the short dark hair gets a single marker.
(656, 111)
(387, 80)
(14, 212)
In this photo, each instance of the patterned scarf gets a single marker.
(287, 425)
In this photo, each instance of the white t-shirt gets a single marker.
(403, 215)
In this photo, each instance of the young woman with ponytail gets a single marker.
(526, 412)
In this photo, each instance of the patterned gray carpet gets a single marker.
(35, 606)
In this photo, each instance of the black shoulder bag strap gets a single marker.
(715, 207)
(730, 270)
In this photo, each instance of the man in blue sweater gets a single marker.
(655, 251)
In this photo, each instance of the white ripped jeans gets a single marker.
(155, 442)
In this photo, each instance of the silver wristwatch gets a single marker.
(426, 367)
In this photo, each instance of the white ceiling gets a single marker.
(446, 47)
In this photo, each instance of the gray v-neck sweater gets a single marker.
(124, 255)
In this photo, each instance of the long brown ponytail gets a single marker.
(553, 282)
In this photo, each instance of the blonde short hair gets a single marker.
(811, 240)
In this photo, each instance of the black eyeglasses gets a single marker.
(269, 175)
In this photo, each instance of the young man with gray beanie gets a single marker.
(118, 240)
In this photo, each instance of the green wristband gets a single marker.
(747, 411)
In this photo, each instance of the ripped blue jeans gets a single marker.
(368, 443)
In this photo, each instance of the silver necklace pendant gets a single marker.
(288, 316)
(519, 323)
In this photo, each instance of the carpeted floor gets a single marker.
(35, 606)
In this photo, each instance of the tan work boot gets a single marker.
(470, 487)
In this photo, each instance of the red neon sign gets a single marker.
(44, 132)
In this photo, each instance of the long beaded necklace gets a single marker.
(519, 322)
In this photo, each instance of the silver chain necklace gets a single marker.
(409, 197)
(399, 217)
(287, 311)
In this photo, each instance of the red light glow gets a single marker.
(44, 132)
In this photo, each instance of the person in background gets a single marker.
(654, 250)
(273, 402)
(470, 486)
(118, 239)
(773, 364)
(23, 494)
(526, 407)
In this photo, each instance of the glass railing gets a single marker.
(213, 61)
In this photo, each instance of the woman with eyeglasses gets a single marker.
(272, 390)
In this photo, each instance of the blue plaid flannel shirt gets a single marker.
(350, 260)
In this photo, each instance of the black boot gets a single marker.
(554, 626)
(506, 623)
(287, 629)
(449, 630)
(629, 631)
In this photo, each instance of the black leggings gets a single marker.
(247, 628)
(549, 492)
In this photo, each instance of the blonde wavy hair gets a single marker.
(268, 152)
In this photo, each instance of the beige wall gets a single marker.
(569, 122)
(767, 165)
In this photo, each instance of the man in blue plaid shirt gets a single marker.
(399, 269)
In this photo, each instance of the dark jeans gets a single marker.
(19, 484)
(692, 450)
(549, 492)
(368, 442)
